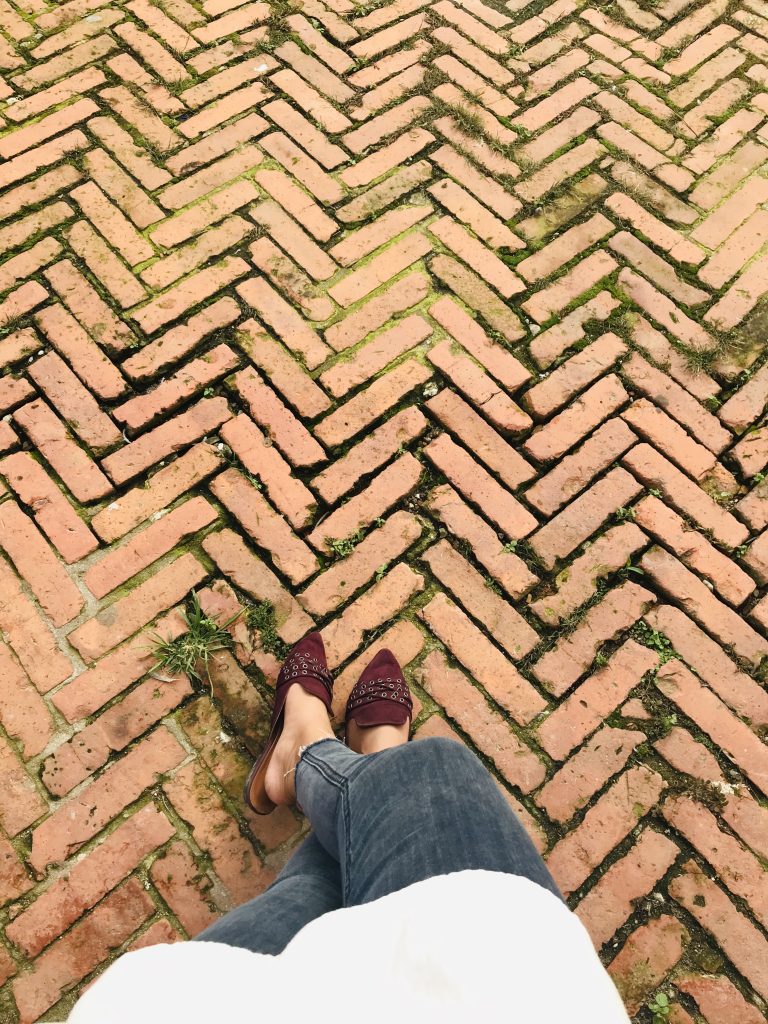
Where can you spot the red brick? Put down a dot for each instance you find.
(216, 833)
(72, 762)
(289, 433)
(574, 374)
(206, 730)
(268, 529)
(554, 298)
(684, 495)
(583, 711)
(605, 824)
(677, 402)
(260, 458)
(739, 938)
(361, 242)
(496, 273)
(31, 639)
(722, 622)
(80, 474)
(360, 412)
(506, 568)
(497, 360)
(663, 432)
(159, 933)
(479, 388)
(719, 999)
(583, 415)
(179, 299)
(552, 342)
(89, 309)
(477, 295)
(41, 570)
(149, 545)
(169, 348)
(648, 955)
(711, 663)
(79, 952)
(563, 534)
(14, 880)
(182, 885)
(382, 546)
(612, 900)
(161, 490)
(89, 880)
(284, 372)
(92, 689)
(77, 820)
(7, 965)
(23, 713)
(20, 802)
(480, 488)
(460, 418)
(735, 867)
(576, 584)
(51, 510)
(519, 765)
(507, 627)
(381, 602)
(388, 488)
(694, 550)
(711, 715)
(484, 661)
(369, 454)
(128, 614)
(573, 786)
(250, 574)
(376, 311)
(197, 374)
(375, 355)
(169, 437)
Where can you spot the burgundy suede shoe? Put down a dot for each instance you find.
(306, 665)
(381, 695)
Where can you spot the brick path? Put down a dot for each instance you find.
(437, 325)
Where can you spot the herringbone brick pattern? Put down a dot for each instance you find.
(433, 324)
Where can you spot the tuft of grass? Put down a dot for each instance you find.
(261, 619)
(191, 652)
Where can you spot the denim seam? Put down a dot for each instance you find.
(347, 874)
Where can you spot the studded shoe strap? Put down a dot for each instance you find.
(298, 664)
(386, 688)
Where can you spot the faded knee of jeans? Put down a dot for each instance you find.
(446, 752)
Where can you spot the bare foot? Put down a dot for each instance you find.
(306, 721)
(374, 738)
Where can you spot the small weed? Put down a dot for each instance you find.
(622, 513)
(345, 545)
(657, 641)
(190, 653)
(381, 570)
(659, 1007)
(510, 546)
(260, 618)
(628, 570)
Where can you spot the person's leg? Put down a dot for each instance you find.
(410, 812)
(308, 887)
